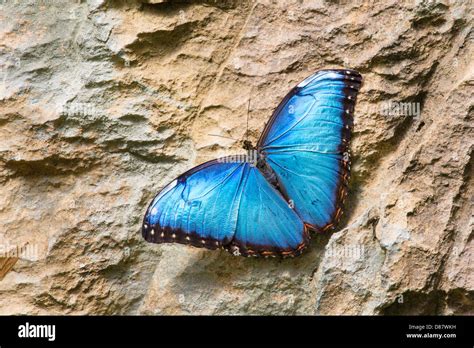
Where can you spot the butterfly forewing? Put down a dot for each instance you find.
(306, 143)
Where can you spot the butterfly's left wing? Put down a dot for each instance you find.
(199, 208)
(224, 204)
(306, 144)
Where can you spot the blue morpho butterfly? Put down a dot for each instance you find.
(297, 185)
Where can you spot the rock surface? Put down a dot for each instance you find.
(104, 102)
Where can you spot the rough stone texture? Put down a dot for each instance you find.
(104, 102)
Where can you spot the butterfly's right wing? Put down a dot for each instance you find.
(228, 205)
(306, 144)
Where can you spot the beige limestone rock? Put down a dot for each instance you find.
(104, 102)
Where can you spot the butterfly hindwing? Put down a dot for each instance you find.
(266, 226)
(306, 144)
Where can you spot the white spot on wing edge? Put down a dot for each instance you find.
(235, 250)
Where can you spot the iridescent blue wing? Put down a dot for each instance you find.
(199, 208)
(306, 144)
(266, 224)
(225, 205)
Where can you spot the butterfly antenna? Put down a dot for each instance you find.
(222, 136)
(248, 113)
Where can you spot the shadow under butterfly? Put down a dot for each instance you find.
(268, 207)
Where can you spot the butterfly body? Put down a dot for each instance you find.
(296, 180)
